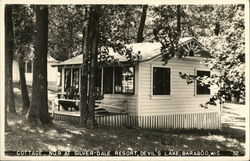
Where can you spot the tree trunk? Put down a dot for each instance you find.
(24, 91)
(142, 24)
(39, 102)
(9, 59)
(93, 63)
(5, 114)
(84, 75)
(179, 19)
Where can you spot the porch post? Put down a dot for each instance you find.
(113, 91)
(63, 79)
(71, 76)
(80, 79)
(102, 81)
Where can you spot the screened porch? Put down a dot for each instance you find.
(110, 82)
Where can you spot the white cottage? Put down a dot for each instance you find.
(152, 93)
(53, 73)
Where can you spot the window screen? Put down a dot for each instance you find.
(76, 78)
(67, 81)
(124, 80)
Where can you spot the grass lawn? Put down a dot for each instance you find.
(64, 136)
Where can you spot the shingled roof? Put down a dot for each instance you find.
(147, 51)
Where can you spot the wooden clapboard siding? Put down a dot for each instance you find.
(182, 99)
(128, 101)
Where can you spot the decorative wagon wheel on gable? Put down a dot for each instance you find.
(191, 48)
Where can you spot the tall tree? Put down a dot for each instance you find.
(39, 103)
(23, 22)
(179, 18)
(9, 59)
(84, 75)
(94, 33)
(102, 33)
(5, 113)
(23, 85)
(90, 49)
(142, 24)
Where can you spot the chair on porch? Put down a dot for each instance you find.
(71, 94)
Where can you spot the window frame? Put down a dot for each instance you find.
(114, 82)
(152, 96)
(195, 83)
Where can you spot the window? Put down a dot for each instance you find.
(67, 81)
(119, 80)
(28, 68)
(161, 81)
(124, 80)
(202, 88)
(75, 82)
(108, 80)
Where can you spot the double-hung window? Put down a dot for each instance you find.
(161, 81)
(202, 89)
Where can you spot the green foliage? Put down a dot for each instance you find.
(227, 50)
(24, 29)
(65, 23)
(219, 27)
(118, 27)
(166, 31)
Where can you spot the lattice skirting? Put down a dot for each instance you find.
(173, 121)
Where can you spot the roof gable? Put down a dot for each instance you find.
(192, 47)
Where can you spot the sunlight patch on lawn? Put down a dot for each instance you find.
(190, 138)
(19, 121)
(75, 132)
(113, 136)
(65, 135)
(229, 142)
(52, 133)
(57, 147)
(40, 130)
(214, 137)
(29, 129)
